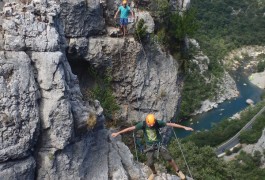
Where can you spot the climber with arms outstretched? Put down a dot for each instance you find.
(153, 139)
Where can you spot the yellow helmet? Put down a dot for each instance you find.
(124, 2)
(150, 119)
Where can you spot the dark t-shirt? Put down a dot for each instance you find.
(151, 134)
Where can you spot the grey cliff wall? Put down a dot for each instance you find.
(144, 80)
(227, 88)
(43, 118)
(41, 104)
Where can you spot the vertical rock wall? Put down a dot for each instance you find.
(144, 80)
(41, 105)
(42, 114)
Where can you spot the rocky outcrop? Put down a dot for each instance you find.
(226, 85)
(226, 90)
(19, 108)
(237, 56)
(44, 133)
(82, 18)
(258, 79)
(18, 169)
(96, 156)
(148, 20)
(145, 80)
(40, 97)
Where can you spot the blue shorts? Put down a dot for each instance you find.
(123, 21)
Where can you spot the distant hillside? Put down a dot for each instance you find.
(226, 25)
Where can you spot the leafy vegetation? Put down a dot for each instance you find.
(252, 135)
(223, 26)
(204, 164)
(246, 166)
(140, 31)
(226, 25)
(201, 158)
(261, 66)
(173, 26)
(202, 161)
(236, 149)
(194, 91)
(263, 95)
(102, 91)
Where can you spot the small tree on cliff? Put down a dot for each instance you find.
(140, 31)
(182, 24)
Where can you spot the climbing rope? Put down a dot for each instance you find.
(182, 153)
(128, 106)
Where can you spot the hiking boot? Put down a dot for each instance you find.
(152, 177)
(181, 175)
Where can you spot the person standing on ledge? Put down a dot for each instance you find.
(153, 139)
(124, 13)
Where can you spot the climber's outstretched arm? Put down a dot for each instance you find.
(179, 126)
(123, 131)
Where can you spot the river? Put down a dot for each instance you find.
(226, 109)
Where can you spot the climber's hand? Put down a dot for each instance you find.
(188, 129)
(114, 134)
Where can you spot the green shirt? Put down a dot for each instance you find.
(151, 134)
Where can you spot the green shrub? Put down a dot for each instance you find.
(252, 135)
(263, 96)
(246, 166)
(162, 37)
(228, 152)
(236, 149)
(202, 161)
(140, 31)
(257, 158)
(261, 66)
(106, 98)
(102, 91)
(195, 91)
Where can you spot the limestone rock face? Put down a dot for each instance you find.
(226, 85)
(42, 112)
(82, 18)
(29, 28)
(18, 106)
(40, 96)
(149, 22)
(96, 156)
(19, 169)
(144, 80)
(226, 90)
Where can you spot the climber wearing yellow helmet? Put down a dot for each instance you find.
(153, 139)
(124, 13)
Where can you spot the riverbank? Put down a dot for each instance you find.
(227, 90)
(249, 56)
(226, 109)
(258, 79)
